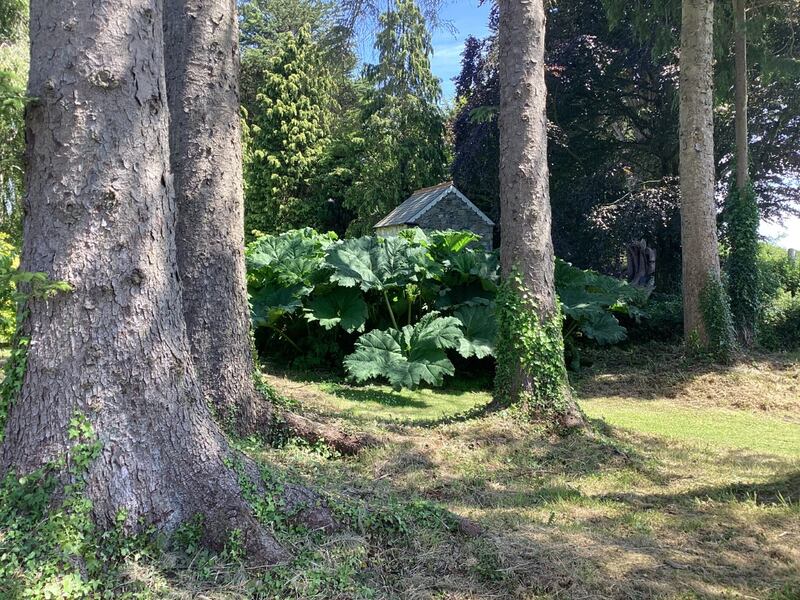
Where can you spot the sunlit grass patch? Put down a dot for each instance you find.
(717, 429)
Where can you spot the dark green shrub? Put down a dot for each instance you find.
(664, 322)
(402, 308)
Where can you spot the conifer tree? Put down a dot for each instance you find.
(403, 142)
(289, 132)
(530, 356)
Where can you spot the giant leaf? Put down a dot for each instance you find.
(603, 328)
(445, 243)
(340, 306)
(268, 304)
(479, 329)
(590, 300)
(290, 258)
(373, 263)
(408, 357)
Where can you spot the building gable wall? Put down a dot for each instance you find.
(452, 213)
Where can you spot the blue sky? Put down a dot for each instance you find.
(465, 17)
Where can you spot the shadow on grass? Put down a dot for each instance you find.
(782, 490)
(370, 395)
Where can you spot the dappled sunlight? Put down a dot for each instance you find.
(708, 503)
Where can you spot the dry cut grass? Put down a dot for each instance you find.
(626, 511)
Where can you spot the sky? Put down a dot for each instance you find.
(465, 18)
(786, 235)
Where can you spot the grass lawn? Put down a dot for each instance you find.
(714, 428)
(687, 486)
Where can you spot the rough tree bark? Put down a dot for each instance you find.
(698, 208)
(100, 214)
(202, 68)
(527, 245)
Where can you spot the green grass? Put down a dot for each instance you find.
(689, 488)
(714, 427)
(711, 426)
(381, 403)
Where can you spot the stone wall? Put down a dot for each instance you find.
(452, 213)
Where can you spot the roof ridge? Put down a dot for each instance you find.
(433, 187)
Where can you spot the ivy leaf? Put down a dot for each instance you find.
(341, 306)
(479, 328)
(408, 357)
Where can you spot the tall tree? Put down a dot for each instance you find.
(531, 369)
(701, 270)
(402, 140)
(741, 209)
(202, 72)
(291, 126)
(740, 52)
(114, 352)
(206, 140)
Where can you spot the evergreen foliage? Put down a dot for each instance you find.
(612, 133)
(289, 134)
(402, 135)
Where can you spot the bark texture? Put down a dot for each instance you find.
(202, 51)
(698, 208)
(100, 214)
(527, 244)
(202, 68)
(740, 49)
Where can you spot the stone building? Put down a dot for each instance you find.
(439, 207)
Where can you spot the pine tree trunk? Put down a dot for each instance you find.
(698, 207)
(527, 246)
(740, 43)
(100, 215)
(202, 66)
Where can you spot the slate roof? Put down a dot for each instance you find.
(421, 202)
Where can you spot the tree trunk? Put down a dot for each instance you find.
(698, 208)
(202, 69)
(527, 246)
(100, 215)
(740, 43)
